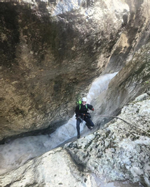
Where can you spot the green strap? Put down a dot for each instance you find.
(80, 106)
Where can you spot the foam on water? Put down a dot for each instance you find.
(99, 85)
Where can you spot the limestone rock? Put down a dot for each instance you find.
(54, 168)
(130, 82)
(89, 161)
(43, 57)
(125, 157)
(48, 61)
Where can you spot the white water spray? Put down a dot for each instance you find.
(68, 130)
(17, 152)
(99, 85)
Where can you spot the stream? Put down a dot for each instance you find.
(16, 152)
(19, 151)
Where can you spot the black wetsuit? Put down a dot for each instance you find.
(82, 114)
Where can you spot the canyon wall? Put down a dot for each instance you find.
(49, 59)
(51, 51)
(118, 152)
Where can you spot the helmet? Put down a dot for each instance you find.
(84, 99)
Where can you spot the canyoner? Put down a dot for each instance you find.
(83, 115)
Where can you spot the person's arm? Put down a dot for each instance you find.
(90, 107)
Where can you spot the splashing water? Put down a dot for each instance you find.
(17, 152)
(99, 85)
(68, 130)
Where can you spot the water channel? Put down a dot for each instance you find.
(17, 152)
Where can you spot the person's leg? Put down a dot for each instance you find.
(89, 123)
(78, 127)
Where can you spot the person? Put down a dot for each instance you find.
(82, 114)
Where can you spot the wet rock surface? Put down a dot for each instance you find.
(52, 169)
(118, 152)
(47, 61)
(121, 150)
(131, 81)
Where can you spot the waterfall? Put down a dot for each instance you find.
(99, 85)
(18, 151)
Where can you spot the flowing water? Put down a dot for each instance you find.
(17, 152)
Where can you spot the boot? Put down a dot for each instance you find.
(78, 136)
(91, 127)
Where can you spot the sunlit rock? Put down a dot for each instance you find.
(17, 152)
(52, 169)
(47, 61)
(116, 152)
(50, 54)
(120, 151)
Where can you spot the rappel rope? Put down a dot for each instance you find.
(125, 122)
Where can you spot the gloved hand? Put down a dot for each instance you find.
(82, 115)
(93, 109)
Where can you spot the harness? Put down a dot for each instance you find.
(80, 106)
(79, 103)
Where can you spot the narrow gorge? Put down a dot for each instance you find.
(55, 52)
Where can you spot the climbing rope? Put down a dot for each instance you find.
(125, 122)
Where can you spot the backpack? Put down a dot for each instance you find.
(79, 103)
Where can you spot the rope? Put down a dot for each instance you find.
(125, 122)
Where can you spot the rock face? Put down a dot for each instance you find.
(56, 167)
(48, 62)
(119, 151)
(43, 68)
(50, 54)
(131, 81)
